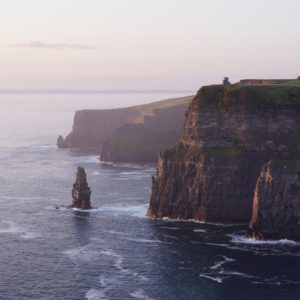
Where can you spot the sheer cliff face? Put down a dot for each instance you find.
(142, 142)
(133, 134)
(92, 127)
(229, 133)
(276, 202)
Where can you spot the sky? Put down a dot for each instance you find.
(146, 44)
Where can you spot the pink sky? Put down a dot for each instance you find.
(134, 44)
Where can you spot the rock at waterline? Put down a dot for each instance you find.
(81, 193)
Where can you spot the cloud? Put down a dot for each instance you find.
(42, 45)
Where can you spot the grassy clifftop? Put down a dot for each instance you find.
(250, 95)
(150, 108)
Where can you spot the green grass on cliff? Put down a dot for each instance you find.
(249, 96)
(149, 109)
(292, 82)
(286, 165)
(224, 152)
(178, 152)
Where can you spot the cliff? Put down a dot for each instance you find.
(129, 134)
(142, 142)
(230, 132)
(276, 202)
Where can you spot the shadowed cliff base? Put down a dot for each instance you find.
(133, 134)
(230, 132)
(276, 202)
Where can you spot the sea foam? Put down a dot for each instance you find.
(240, 239)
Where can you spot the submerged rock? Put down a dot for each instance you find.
(81, 193)
(276, 202)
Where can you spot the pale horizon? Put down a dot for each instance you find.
(145, 45)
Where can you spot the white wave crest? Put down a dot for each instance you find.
(118, 264)
(199, 230)
(83, 253)
(10, 227)
(30, 235)
(219, 264)
(133, 210)
(13, 228)
(239, 274)
(140, 294)
(240, 239)
(215, 279)
(94, 294)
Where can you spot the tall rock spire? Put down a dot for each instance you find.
(81, 192)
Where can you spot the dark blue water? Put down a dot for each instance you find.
(113, 251)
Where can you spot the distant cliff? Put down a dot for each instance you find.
(230, 132)
(135, 133)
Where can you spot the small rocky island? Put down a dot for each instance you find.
(81, 193)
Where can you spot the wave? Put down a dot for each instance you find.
(239, 274)
(215, 279)
(7, 227)
(42, 146)
(118, 264)
(83, 253)
(240, 239)
(200, 230)
(133, 178)
(198, 222)
(170, 228)
(139, 240)
(258, 249)
(140, 294)
(133, 210)
(10, 227)
(129, 165)
(86, 159)
(96, 173)
(94, 294)
(219, 264)
(30, 235)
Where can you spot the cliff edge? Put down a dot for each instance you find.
(230, 132)
(132, 134)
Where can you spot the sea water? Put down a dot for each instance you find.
(113, 251)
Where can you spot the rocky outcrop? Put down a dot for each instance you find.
(276, 202)
(81, 192)
(129, 134)
(230, 132)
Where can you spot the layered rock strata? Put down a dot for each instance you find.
(230, 132)
(276, 202)
(134, 134)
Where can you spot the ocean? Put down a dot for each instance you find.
(113, 251)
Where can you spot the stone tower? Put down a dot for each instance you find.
(226, 81)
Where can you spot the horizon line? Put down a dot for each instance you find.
(88, 91)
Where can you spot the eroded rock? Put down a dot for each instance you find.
(81, 193)
(276, 202)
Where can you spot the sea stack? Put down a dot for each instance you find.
(81, 192)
